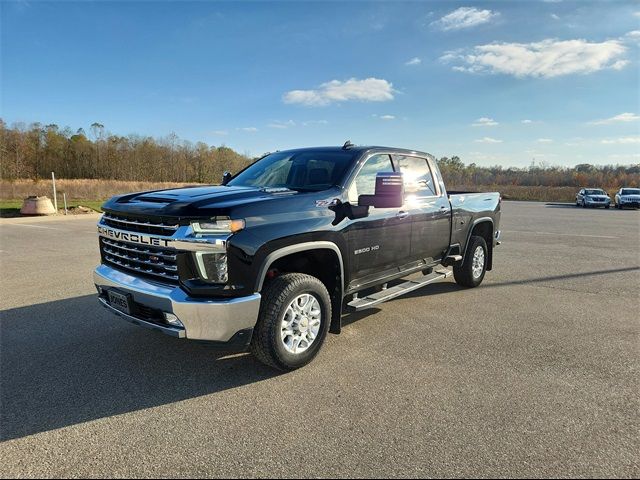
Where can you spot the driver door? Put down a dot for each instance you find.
(379, 243)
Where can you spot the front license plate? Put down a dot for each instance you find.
(120, 301)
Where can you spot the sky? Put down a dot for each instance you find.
(496, 83)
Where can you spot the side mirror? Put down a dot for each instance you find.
(226, 176)
(389, 192)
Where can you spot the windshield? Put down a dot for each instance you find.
(302, 171)
(594, 191)
(631, 191)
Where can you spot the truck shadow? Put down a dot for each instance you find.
(68, 361)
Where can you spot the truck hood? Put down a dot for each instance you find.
(190, 202)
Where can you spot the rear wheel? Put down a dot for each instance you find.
(471, 272)
(295, 314)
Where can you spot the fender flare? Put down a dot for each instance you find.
(300, 247)
(475, 223)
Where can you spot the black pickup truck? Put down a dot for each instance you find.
(273, 258)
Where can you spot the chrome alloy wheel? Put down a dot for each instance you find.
(477, 265)
(301, 323)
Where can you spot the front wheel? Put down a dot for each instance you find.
(584, 205)
(295, 314)
(474, 266)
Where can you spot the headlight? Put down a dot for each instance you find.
(213, 266)
(225, 225)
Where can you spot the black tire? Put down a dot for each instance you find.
(607, 206)
(267, 344)
(584, 205)
(464, 273)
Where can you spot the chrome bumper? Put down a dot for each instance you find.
(203, 319)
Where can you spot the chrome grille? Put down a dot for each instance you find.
(155, 262)
(137, 225)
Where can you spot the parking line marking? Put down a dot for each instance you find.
(559, 234)
(34, 226)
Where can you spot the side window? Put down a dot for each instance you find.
(365, 181)
(417, 176)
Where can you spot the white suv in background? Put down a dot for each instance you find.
(592, 197)
(628, 197)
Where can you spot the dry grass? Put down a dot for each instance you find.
(86, 189)
(83, 189)
(518, 192)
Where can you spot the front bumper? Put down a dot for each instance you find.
(597, 203)
(202, 319)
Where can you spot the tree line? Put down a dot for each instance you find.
(35, 150)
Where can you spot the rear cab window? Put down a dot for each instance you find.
(418, 178)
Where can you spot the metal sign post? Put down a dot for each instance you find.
(55, 198)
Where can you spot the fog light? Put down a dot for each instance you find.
(171, 319)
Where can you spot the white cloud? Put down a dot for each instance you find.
(220, 133)
(484, 122)
(548, 58)
(488, 140)
(555, 17)
(282, 125)
(464, 17)
(637, 14)
(621, 140)
(387, 117)
(314, 122)
(249, 129)
(367, 90)
(544, 140)
(623, 117)
(414, 61)
(527, 121)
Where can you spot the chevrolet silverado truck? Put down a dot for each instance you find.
(274, 257)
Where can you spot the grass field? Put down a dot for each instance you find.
(77, 189)
(11, 208)
(92, 193)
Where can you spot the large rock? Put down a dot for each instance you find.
(37, 206)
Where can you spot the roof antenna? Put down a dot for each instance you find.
(347, 145)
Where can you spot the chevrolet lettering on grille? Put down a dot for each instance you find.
(132, 237)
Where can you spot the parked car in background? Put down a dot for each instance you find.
(627, 197)
(593, 197)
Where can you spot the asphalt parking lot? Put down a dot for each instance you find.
(533, 374)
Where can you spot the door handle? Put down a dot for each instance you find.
(402, 214)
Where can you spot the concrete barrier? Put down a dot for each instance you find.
(37, 206)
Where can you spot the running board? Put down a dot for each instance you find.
(358, 304)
